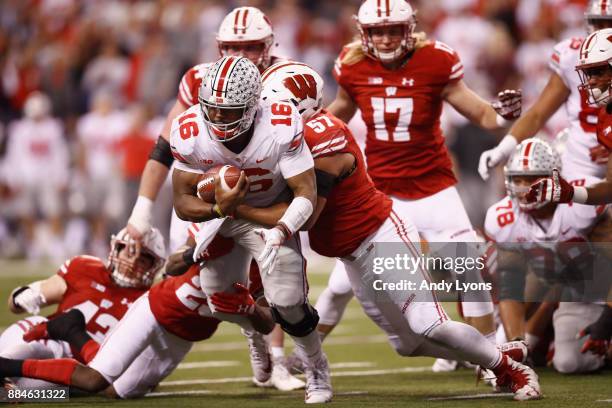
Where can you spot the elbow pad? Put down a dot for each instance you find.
(162, 153)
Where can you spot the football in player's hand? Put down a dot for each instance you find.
(228, 175)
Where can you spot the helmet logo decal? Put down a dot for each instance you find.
(302, 86)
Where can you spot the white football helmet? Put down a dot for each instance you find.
(245, 26)
(597, 11)
(595, 60)
(296, 83)
(380, 13)
(532, 157)
(231, 83)
(128, 271)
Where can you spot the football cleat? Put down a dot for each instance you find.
(261, 362)
(516, 350)
(318, 382)
(519, 378)
(281, 378)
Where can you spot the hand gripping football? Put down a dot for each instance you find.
(228, 174)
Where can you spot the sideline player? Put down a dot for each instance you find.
(399, 80)
(102, 291)
(554, 243)
(231, 126)
(350, 221)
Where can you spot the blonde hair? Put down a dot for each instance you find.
(355, 51)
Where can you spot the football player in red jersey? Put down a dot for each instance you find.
(399, 81)
(352, 218)
(101, 291)
(149, 342)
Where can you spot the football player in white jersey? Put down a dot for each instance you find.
(552, 242)
(266, 141)
(247, 32)
(583, 156)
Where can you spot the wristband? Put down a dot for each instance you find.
(296, 214)
(581, 194)
(141, 214)
(507, 144)
(188, 256)
(501, 122)
(217, 211)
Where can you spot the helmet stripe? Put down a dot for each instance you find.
(222, 74)
(378, 8)
(276, 67)
(388, 12)
(526, 153)
(244, 20)
(236, 17)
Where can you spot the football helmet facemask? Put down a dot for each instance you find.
(376, 14)
(139, 270)
(595, 66)
(532, 159)
(228, 97)
(244, 27)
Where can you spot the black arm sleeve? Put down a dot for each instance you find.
(161, 152)
(325, 183)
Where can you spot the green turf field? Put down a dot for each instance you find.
(365, 370)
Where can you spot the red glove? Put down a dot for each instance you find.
(599, 154)
(36, 332)
(549, 190)
(599, 333)
(508, 104)
(241, 302)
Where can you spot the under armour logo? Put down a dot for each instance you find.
(375, 80)
(409, 82)
(607, 130)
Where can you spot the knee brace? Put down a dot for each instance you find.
(302, 328)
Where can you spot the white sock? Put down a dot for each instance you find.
(309, 346)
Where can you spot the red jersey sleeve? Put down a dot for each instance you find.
(190, 84)
(448, 61)
(341, 72)
(78, 268)
(325, 135)
(604, 128)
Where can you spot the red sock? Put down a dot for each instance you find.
(89, 350)
(56, 370)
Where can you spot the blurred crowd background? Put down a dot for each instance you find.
(85, 86)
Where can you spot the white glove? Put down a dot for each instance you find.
(493, 157)
(29, 299)
(273, 239)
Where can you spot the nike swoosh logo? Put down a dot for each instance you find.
(566, 231)
(259, 161)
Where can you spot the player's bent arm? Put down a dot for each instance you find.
(153, 176)
(600, 193)
(470, 105)
(188, 207)
(343, 107)
(327, 170)
(37, 294)
(554, 94)
(180, 261)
